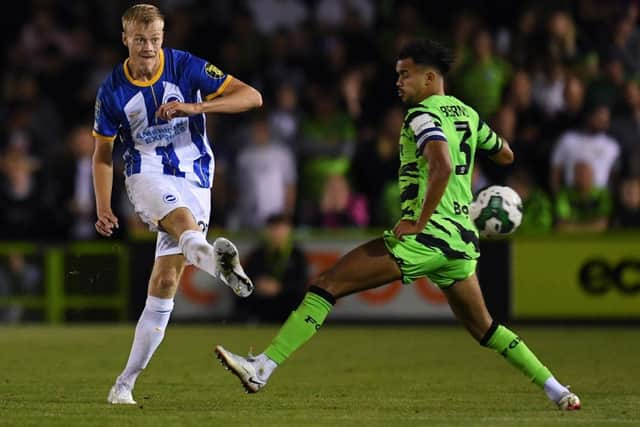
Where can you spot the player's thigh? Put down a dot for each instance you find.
(169, 200)
(368, 266)
(178, 221)
(467, 303)
(165, 275)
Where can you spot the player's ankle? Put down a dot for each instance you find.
(554, 390)
(265, 366)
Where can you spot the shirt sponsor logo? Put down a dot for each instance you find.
(165, 132)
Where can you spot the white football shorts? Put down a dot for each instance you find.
(155, 196)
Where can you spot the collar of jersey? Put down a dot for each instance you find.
(155, 77)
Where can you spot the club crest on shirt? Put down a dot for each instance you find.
(213, 71)
(171, 93)
(169, 198)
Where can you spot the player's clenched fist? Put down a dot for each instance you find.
(176, 109)
(106, 222)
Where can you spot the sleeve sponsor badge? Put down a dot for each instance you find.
(213, 71)
(96, 113)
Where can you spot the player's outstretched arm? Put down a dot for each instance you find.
(236, 98)
(504, 156)
(102, 167)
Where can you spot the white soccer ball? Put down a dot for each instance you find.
(496, 211)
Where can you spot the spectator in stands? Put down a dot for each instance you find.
(465, 24)
(625, 43)
(483, 69)
(548, 84)
(23, 214)
(327, 144)
(524, 38)
(625, 128)
(569, 116)
(340, 206)
(41, 35)
(376, 163)
(336, 14)
(73, 186)
(529, 118)
(49, 77)
(285, 67)
(627, 212)
(560, 38)
(266, 173)
(537, 209)
(280, 273)
(583, 206)
(32, 113)
(284, 118)
(526, 137)
(590, 144)
(18, 276)
(271, 16)
(607, 88)
(504, 122)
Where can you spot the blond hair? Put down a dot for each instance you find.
(141, 13)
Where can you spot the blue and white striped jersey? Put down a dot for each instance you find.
(127, 107)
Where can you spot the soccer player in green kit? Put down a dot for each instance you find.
(434, 237)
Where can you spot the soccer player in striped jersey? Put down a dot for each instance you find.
(434, 237)
(156, 103)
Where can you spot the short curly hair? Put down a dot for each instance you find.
(428, 52)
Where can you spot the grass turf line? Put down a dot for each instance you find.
(375, 376)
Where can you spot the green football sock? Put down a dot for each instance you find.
(516, 352)
(301, 325)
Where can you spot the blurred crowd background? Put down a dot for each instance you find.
(559, 80)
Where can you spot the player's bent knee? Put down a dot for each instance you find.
(163, 287)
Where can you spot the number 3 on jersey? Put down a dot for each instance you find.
(465, 148)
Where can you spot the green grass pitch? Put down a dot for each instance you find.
(365, 376)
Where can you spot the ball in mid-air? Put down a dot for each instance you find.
(496, 211)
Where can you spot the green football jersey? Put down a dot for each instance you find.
(442, 117)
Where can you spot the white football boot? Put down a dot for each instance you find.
(120, 395)
(228, 268)
(243, 368)
(569, 402)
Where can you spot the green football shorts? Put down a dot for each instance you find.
(417, 260)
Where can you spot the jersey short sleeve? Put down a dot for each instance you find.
(207, 77)
(105, 123)
(488, 140)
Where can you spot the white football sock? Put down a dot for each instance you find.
(148, 336)
(265, 365)
(198, 251)
(554, 389)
